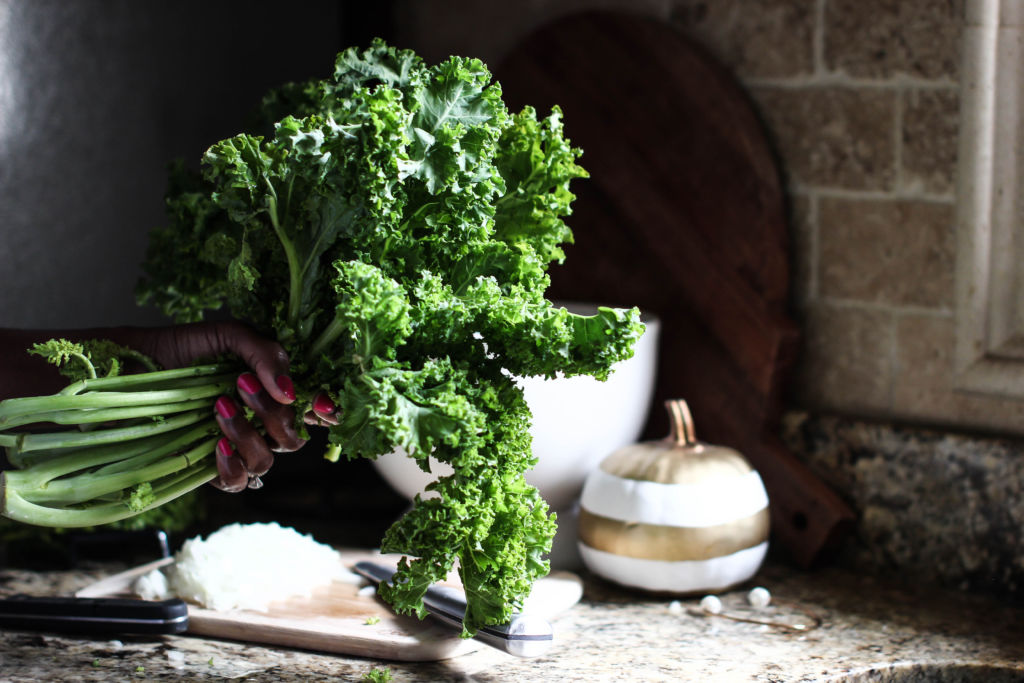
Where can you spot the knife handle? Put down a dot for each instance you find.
(93, 615)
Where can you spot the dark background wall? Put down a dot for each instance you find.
(96, 97)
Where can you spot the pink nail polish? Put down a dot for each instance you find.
(226, 407)
(284, 383)
(248, 383)
(323, 405)
(224, 446)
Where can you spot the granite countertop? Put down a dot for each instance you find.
(870, 629)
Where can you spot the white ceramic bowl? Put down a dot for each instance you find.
(577, 421)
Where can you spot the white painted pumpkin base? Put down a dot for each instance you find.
(689, 576)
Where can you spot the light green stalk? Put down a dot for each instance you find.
(83, 487)
(29, 442)
(157, 443)
(103, 453)
(171, 443)
(15, 412)
(326, 338)
(294, 271)
(126, 381)
(17, 508)
(107, 460)
(84, 417)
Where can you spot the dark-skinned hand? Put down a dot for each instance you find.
(244, 454)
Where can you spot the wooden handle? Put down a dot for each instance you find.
(807, 516)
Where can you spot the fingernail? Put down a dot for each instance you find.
(224, 446)
(284, 383)
(226, 407)
(248, 383)
(323, 404)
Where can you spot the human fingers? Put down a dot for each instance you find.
(278, 419)
(265, 357)
(324, 412)
(249, 443)
(232, 476)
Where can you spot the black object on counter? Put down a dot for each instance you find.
(93, 615)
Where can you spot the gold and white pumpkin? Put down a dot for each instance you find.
(675, 515)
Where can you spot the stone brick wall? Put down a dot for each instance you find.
(861, 100)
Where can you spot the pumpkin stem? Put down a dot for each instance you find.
(683, 433)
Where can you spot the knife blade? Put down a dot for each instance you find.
(93, 615)
(524, 636)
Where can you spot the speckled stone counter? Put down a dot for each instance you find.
(870, 630)
(945, 508)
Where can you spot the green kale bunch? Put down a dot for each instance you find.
(393, 231)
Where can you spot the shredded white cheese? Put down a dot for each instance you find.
(152, 586)
(248, 567)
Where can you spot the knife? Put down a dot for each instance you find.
(524, 636)
(93, 615)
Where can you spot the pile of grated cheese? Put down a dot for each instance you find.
(246, 566)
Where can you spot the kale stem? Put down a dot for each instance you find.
(30, 442)
(186, 382)
(83, 417)
(17, 508)
(158, 450)
(110, 458)
(15, 412)
(87, 486)
(326, 338)
(105, 452)
(89, 367)
(125, 381)
(294, 272)
(333, 452)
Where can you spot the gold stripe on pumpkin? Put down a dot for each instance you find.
(666, 463)
(672, 543)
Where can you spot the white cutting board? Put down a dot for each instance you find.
(338, 619)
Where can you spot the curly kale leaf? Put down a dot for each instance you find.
(537, 163)
(141, 497)
(187, 259)
(61, 352)
(89, 358)
(488, 522)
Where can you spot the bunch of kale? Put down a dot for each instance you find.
(394, 233)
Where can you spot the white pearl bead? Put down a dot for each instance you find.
(711, 604)
(759, 597)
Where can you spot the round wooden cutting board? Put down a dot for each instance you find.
(683, 215)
